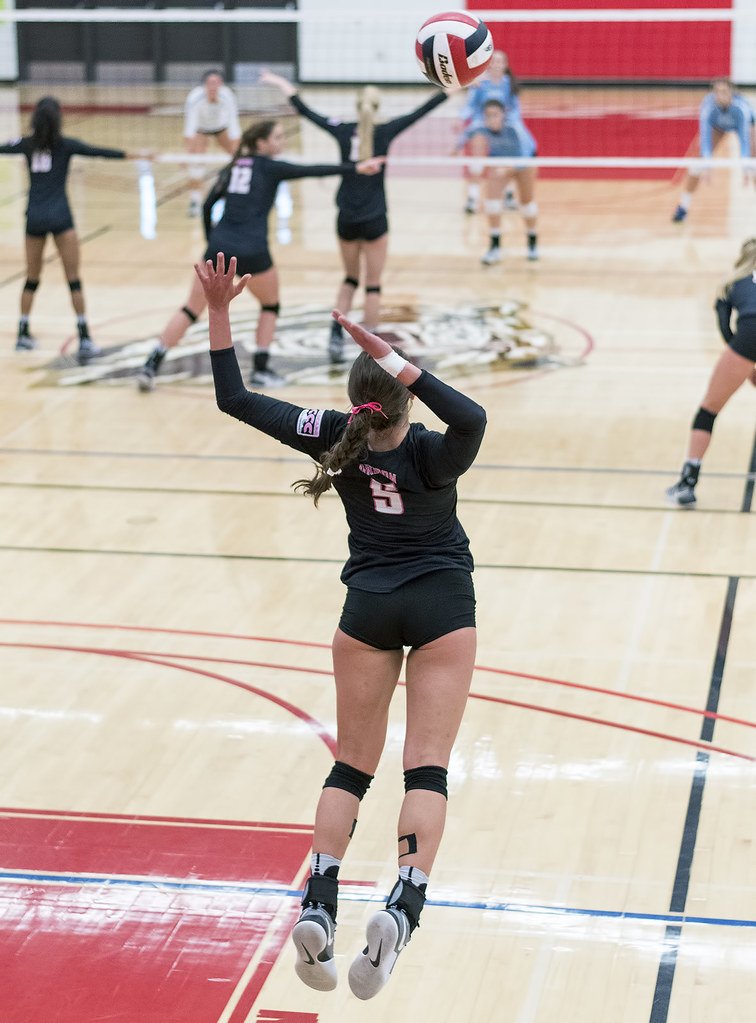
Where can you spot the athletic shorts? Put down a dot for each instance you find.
(212, 131)
(254, 263)
(361, 230)
(744, 342)
(41, 229)
(413, 615)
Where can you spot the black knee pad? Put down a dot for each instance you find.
(704, 420)
(373, 289)
(344, 776)
(192, 317)
(275, 309)
(30, 285)
(74, 286)
(432, 779)
(323, 890)
(407, 896)
(352, 282)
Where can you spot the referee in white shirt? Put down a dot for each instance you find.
(210, 109)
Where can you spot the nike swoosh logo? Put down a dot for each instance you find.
(377, 961)
(310, 960)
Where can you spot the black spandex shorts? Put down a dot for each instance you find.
(361, 230)
(744, 342)
(418, 612)
(256, 263)
(41, 230)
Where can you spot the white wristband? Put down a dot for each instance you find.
(393, 363)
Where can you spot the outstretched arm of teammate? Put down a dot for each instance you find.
(278, 81)
(376, 347)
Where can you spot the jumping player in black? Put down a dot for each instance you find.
(249, 185)
(362, 224)
(736, 365)
(409, 584)
(48, 154)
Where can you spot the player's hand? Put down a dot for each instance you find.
(368, 342)
(218, 283)
(371, 166)
(278, 81)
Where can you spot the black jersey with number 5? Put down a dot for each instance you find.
(48, 208)
(401, 505)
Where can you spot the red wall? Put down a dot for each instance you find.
(625, 51)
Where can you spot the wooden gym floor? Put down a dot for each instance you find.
(166, 705)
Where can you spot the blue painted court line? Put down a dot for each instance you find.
(281, 891)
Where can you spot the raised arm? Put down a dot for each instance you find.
(16, 146)
(399, 124)
(452, 452)
(287, 423)
(291, 93)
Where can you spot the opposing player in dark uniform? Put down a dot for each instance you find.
(409, 583)
(362, 224)
(48, 155)
(735, 366)
(249, 185)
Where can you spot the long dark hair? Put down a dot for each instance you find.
(253, 134)
(45, 122)
(367, 383)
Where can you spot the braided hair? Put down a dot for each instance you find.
(368, 384)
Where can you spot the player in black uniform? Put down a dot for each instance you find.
(249, 185)
(409, 584)
(735, 366)
(48, 154)
(362, 224)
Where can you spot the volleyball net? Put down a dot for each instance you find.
(606, 92)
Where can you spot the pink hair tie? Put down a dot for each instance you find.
(372, 406)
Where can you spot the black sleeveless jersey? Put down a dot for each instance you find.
(360, 197)
(249, 186)
(48, 170)
(401, 505)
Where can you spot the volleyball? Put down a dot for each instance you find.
(453, 48)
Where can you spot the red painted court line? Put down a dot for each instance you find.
(614, 724)
(167, 632)
(319, 729)
(147, 819)
(652, 700)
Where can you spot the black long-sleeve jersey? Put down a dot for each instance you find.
(739, 296)
(401, 505)
(48, 208)
(359, 197)
(249, 185)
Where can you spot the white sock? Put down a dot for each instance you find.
(415, 875)
(320, 862)
(473, 192)
(685, 200)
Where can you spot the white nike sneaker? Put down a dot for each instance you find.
(313, 936)
(387, 933)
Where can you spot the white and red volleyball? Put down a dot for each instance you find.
(453, 48)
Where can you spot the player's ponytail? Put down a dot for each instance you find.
(379, 402)
(46, 122)
(745, 266)
(368, 102)
(260, 131)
